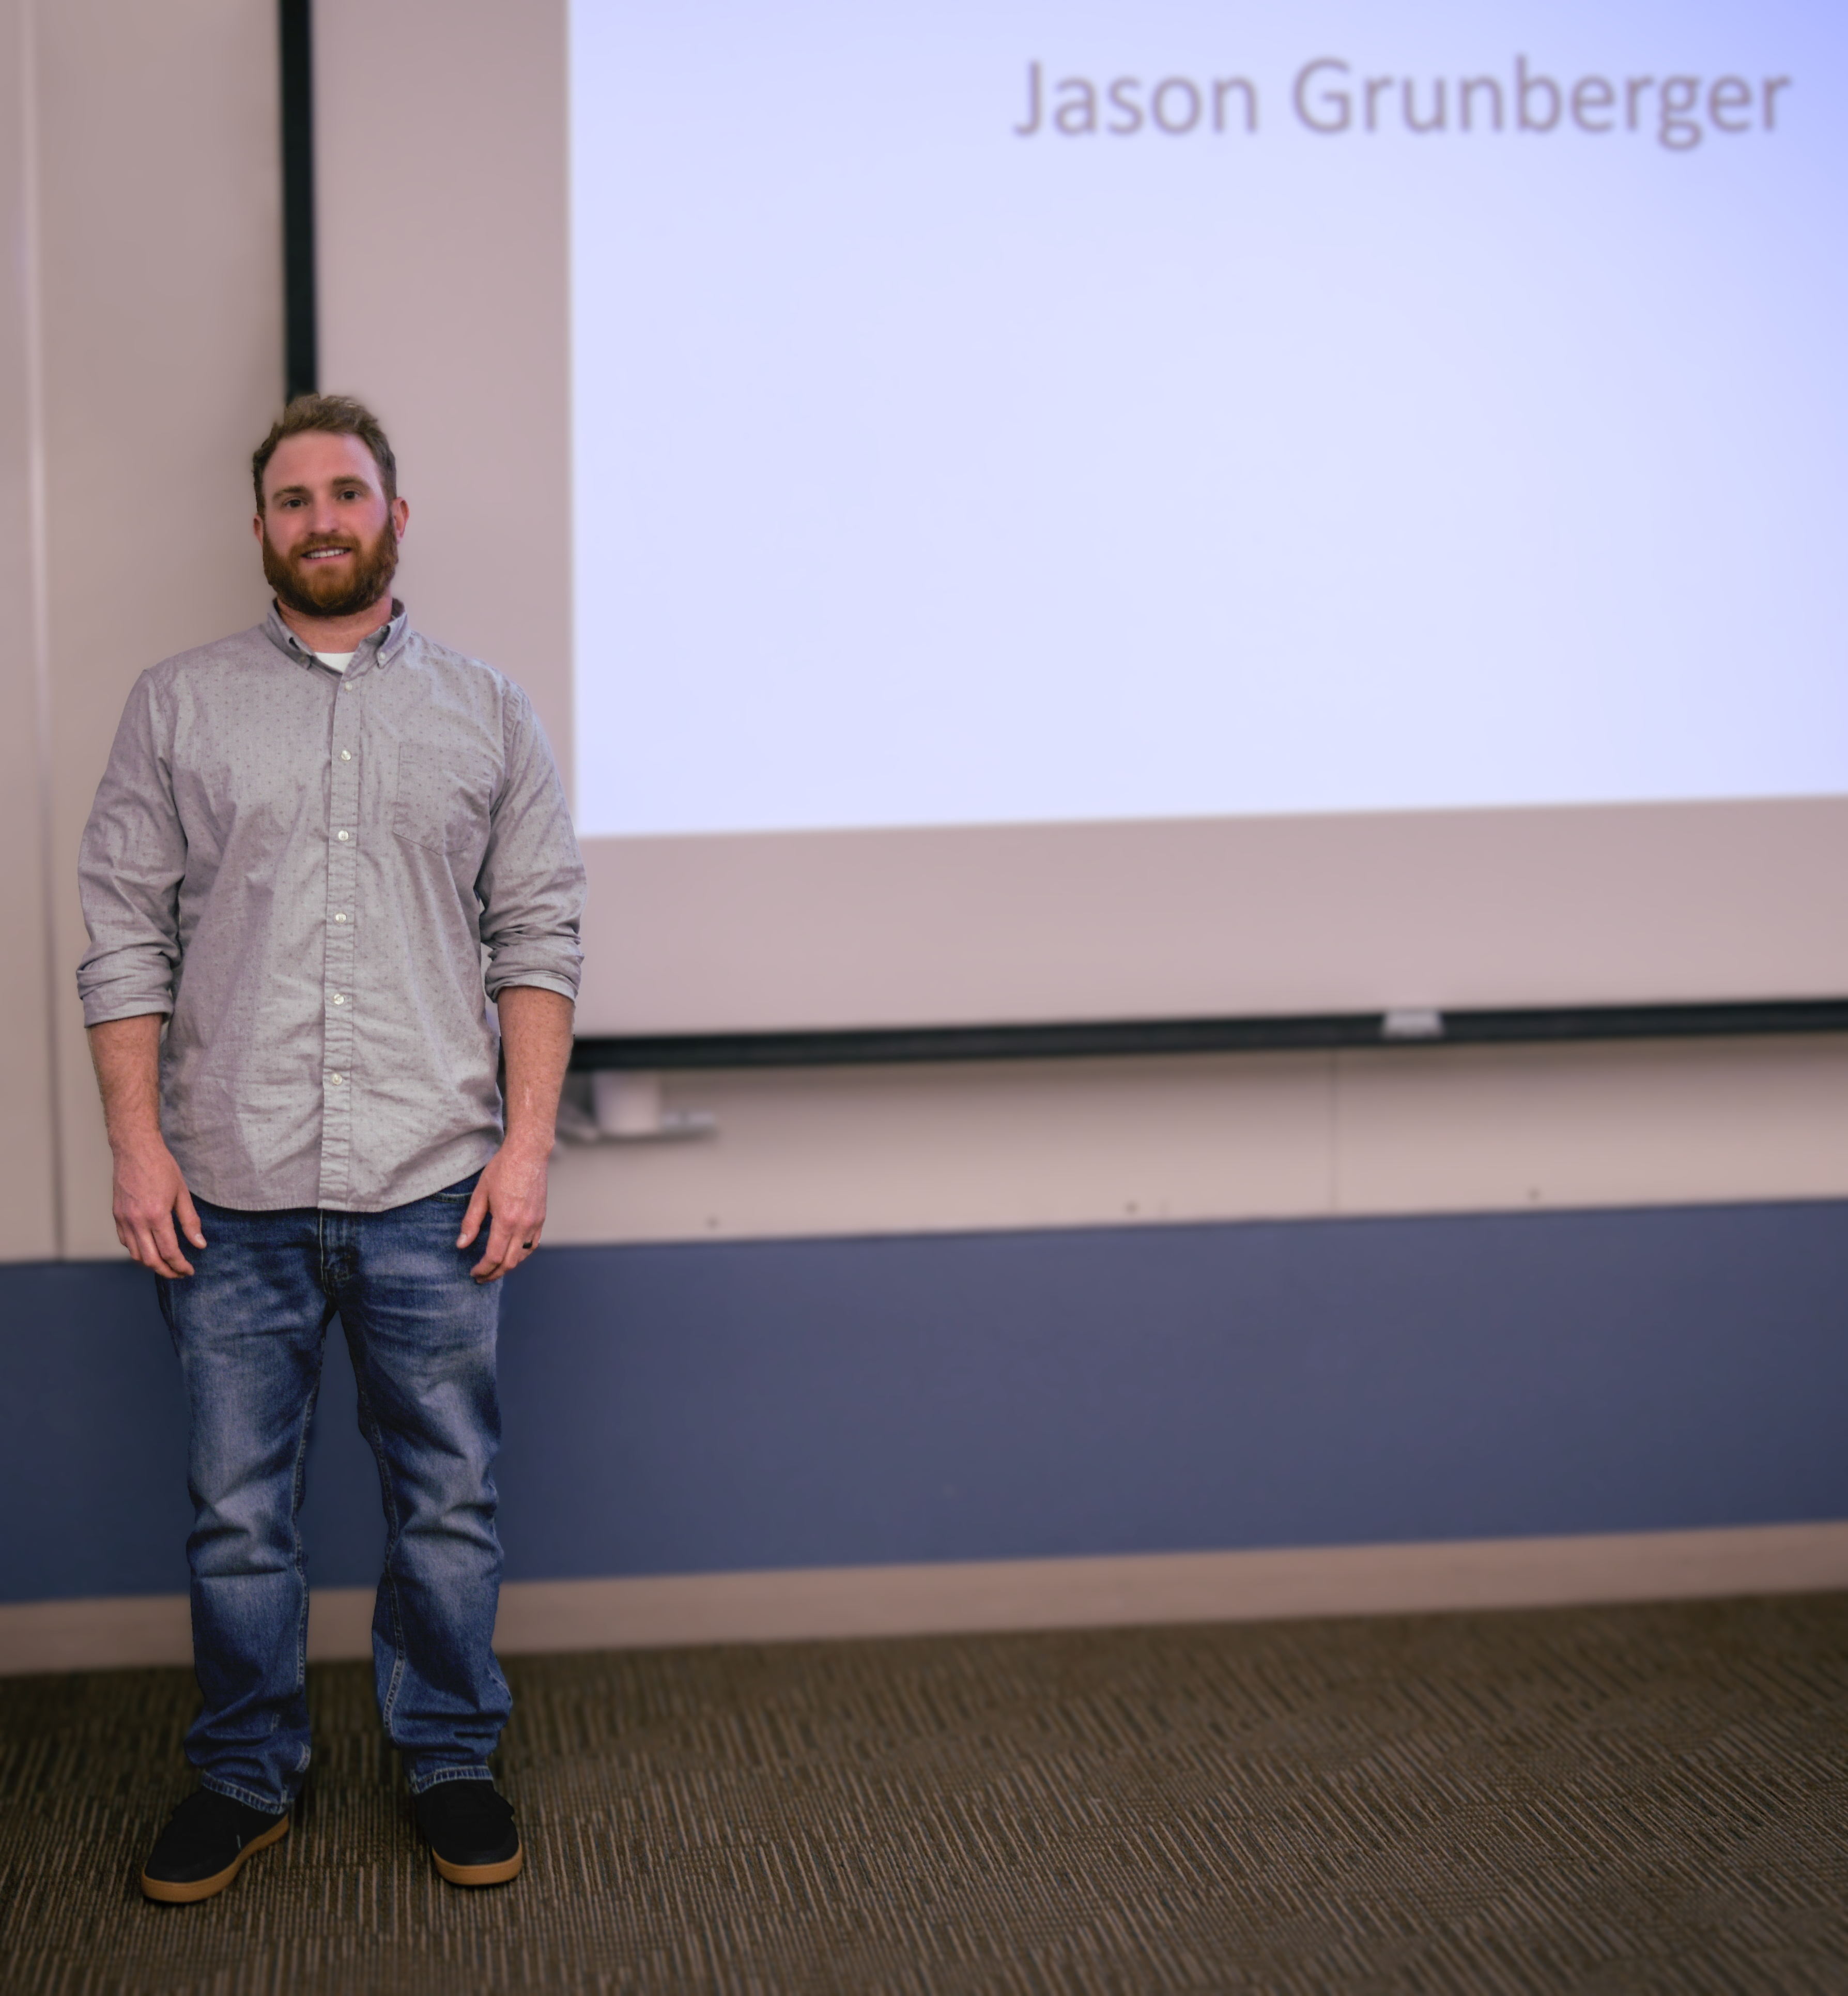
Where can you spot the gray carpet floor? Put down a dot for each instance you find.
(1650, 1798)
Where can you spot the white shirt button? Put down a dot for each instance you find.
(344, 837)
(336, 1079)
(339, 918)
(338, 1000)
(346, 754)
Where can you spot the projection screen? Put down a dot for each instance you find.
(1111, 510)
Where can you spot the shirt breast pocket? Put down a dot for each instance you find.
(444, 796)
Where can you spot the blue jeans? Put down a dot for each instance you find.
(250, 1329)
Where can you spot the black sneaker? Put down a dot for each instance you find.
(471, 1832)
(204, 1847)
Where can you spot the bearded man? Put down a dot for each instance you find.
(310, 839)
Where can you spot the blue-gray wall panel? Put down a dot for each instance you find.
(708, 1407)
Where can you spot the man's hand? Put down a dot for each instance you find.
(148, 1188)
(149, 1191)
(535, 1038)
(511, 1194)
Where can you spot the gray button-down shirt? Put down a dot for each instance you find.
(324, 879)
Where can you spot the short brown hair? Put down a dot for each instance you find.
(338, 415)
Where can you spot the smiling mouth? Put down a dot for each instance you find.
(326, 554)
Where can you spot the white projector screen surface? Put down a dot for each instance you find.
(1023, 413)
(905, 496)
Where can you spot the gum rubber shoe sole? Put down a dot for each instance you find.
(482, 1874)
(171, 1894)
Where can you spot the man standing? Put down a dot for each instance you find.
(310, 839)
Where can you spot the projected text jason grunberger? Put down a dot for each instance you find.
(1329, 96)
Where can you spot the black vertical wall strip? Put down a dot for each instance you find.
(301, 358)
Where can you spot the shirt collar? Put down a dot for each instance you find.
(381, 649)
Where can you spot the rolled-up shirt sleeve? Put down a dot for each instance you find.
(531, 883)
(129, 867)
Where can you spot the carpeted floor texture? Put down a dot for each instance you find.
(1604, 1799)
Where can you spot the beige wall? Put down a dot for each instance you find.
(27, 1206)
(145, 162)
(440, 174)
(158, 305)
(1241, 1136)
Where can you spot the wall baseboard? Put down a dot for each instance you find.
(1139, 1590)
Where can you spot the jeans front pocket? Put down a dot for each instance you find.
(459, 1193)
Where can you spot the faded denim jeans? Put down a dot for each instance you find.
(250, 1328)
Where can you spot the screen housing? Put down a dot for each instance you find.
(460, 338)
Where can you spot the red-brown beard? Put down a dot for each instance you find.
(310, 589)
